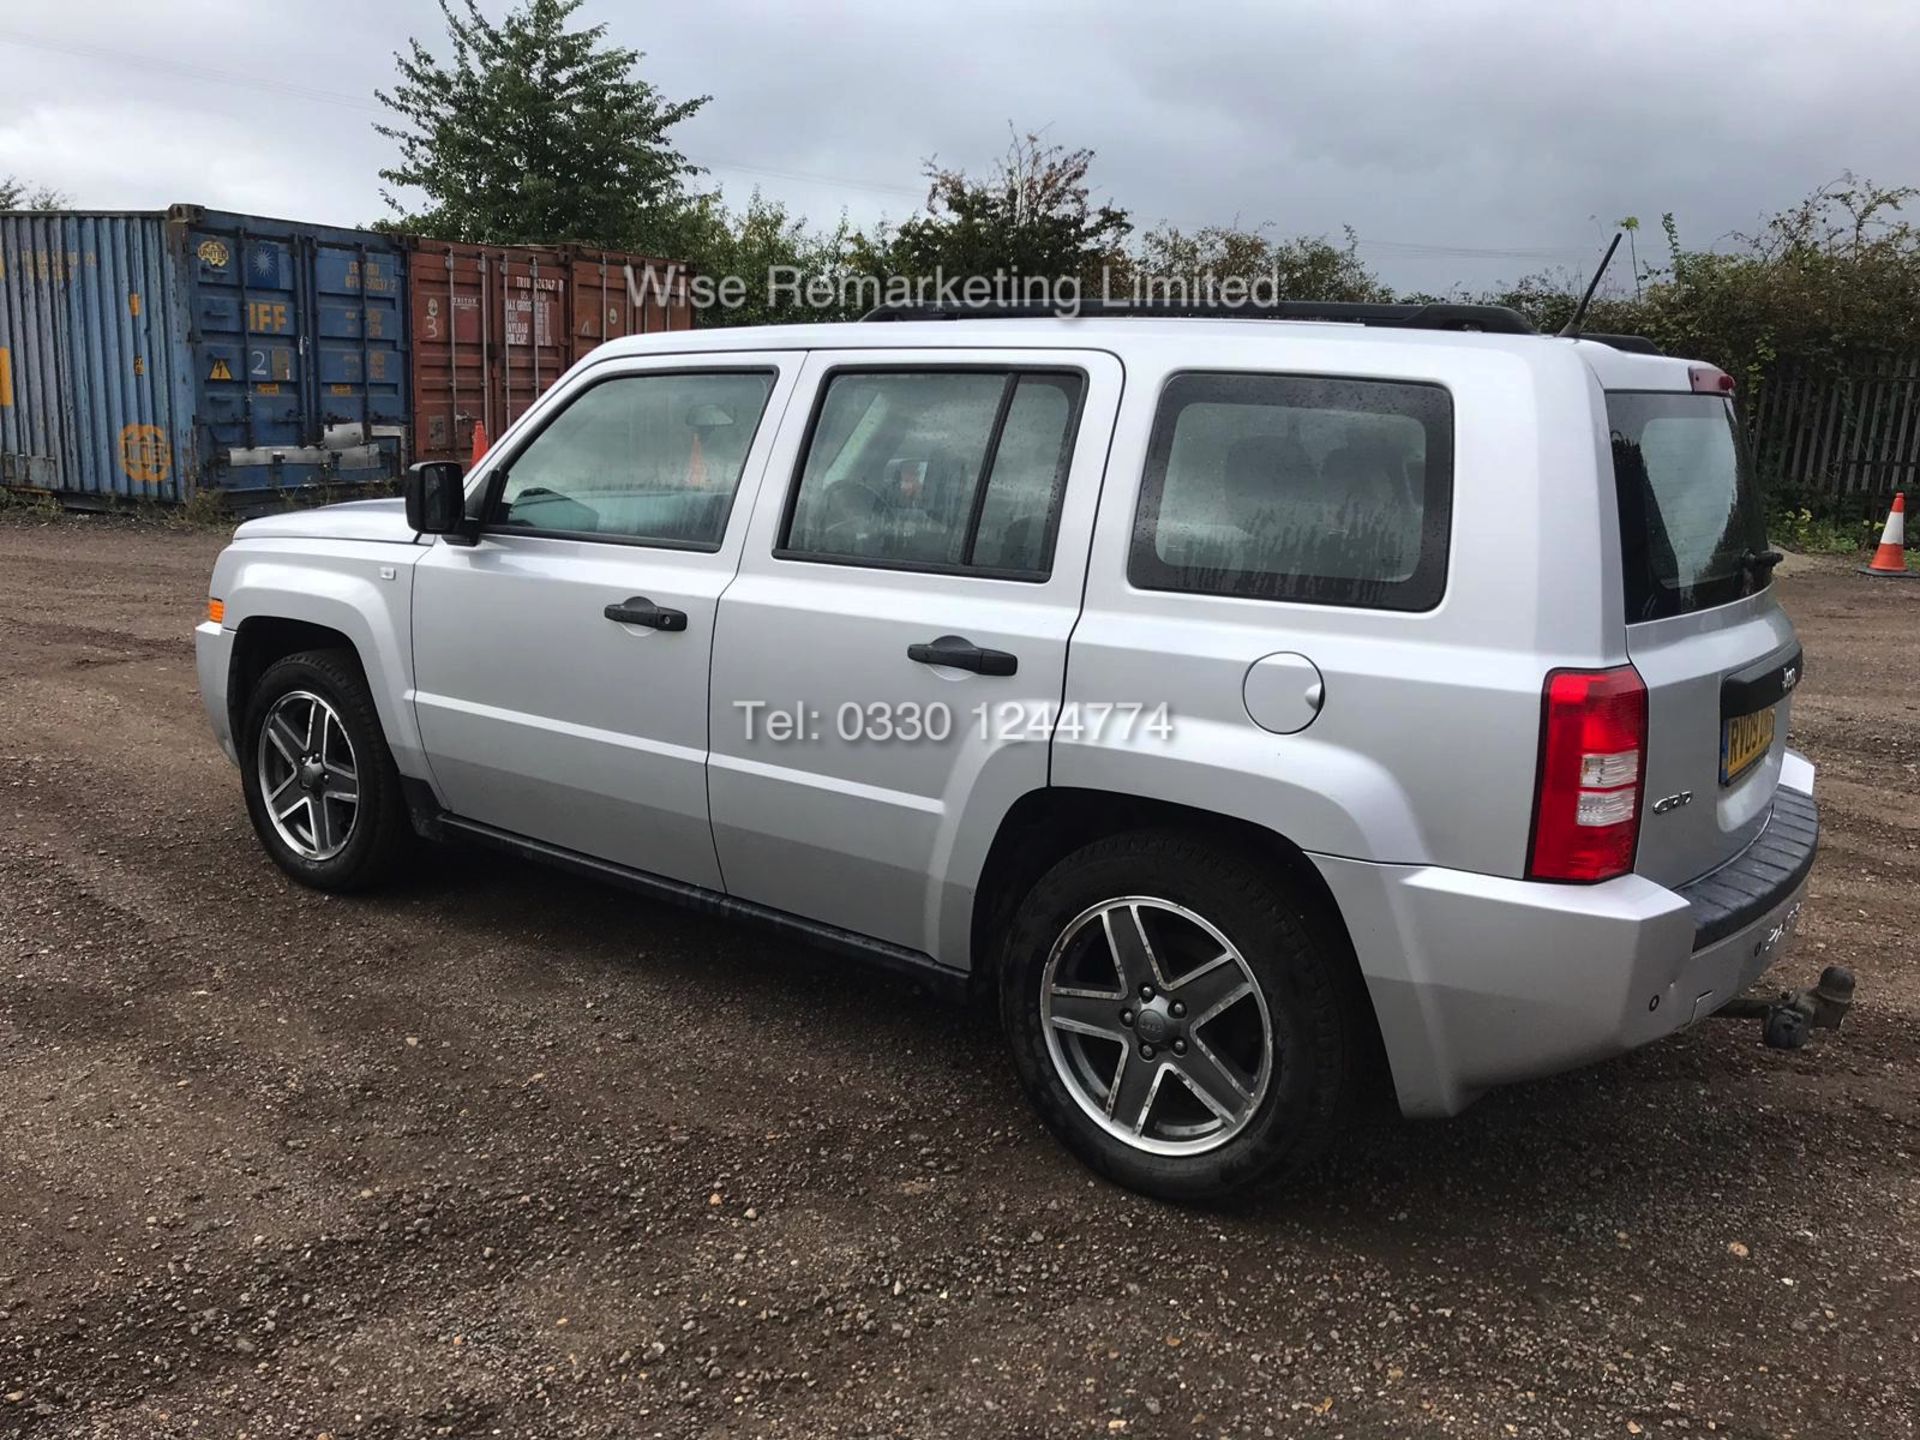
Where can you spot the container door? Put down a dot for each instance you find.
(603, 305)
(359, 370)
(533, 349)
(451, 340)
(300, 352)
(246, 317)
(490, 335)
(616, 295)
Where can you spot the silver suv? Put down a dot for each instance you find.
(1243, 702)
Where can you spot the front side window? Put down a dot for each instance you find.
(936, 470)
(648, 458)
(1285, 487)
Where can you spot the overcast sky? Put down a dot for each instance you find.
(1464, 142)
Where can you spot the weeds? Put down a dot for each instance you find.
(205, 509)
(30, 507)
(1798, 528)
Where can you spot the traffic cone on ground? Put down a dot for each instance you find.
(1891, 558)
(479, 444)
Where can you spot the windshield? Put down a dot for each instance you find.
(1689, 517)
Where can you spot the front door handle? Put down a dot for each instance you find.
(962, 654)
(638, 610)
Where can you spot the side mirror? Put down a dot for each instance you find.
(436, 500)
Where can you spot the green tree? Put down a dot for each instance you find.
(1032, 216)
(17, 194)
(1829, 280)
(535, 133)
(774, 255)
(1305, 267)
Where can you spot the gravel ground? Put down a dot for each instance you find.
(501, 1153)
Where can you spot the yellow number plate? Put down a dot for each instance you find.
(1743, 740)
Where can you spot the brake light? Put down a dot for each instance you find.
(1593, 735)
(1709, 380)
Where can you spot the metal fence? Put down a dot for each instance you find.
(1851, 439)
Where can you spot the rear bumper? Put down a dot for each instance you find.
(1478, 981)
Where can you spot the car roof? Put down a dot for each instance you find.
(1616, 369)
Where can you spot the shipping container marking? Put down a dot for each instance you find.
(145, 455)
(378, 281)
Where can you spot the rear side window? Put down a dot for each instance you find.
(958, 471)
(1689, 517)
(1291, 487)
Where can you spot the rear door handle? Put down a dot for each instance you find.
(638, 610)
(962, 654)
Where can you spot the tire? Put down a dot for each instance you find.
(356, 845)
(1185, 893)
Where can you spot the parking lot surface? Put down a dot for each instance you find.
(499, 1152)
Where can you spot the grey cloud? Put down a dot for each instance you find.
(1518, 128)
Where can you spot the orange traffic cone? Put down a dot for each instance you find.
(479, 444)
(1891, 558)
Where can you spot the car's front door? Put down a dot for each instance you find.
(561, 661)
(888, 659)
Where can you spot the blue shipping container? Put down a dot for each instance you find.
(154, 355)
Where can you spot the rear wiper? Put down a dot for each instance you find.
(1761, 562)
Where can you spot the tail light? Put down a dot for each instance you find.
(1709, 380)
(1593, 735)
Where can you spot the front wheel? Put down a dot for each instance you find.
(320, 782)
(1178, 1015)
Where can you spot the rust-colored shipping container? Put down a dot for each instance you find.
(495, 325)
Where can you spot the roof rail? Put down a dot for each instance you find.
(1494, 319)
(1632, 344)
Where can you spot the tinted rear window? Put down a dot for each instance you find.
(1294, 487)
(1689, 516)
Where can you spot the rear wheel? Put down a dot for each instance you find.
(320, 782)
(1178, 1015)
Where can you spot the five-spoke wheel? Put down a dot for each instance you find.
(308, 775)
(320, 782)
(1181, 1015)
(1156, 1025)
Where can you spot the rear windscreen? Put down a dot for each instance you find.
(1689, 517)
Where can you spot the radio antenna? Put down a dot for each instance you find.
(1572, 328)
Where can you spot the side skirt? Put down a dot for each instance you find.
(945, 982)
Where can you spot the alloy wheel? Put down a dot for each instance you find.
(1156, 1025)
(309, 779)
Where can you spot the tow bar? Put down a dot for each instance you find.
(1788, 1022)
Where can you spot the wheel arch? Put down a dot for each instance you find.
(1044, 826)
(278, 605)
(260, 641)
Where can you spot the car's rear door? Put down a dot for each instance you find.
(1704, 629)
(913, 573)
(561, 661)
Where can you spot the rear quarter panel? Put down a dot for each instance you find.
(1424, 751)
